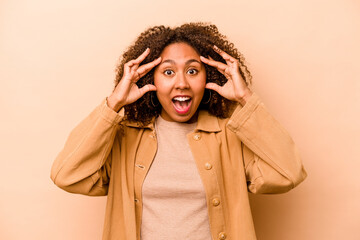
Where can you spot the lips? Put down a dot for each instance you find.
(182, 104)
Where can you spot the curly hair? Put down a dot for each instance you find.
(202, 37)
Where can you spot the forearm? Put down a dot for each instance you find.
(271, 158)
(83, 158)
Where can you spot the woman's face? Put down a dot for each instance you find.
(180, 81)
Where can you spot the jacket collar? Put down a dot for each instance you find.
(206, 123)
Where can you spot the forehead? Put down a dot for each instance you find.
(178, 51)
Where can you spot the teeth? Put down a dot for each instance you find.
(181, 99)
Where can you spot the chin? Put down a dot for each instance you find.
(186, 119)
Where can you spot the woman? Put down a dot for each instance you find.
(179, 142)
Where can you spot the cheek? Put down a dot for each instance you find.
(156, 78)
(159, 84)
(200, 83)
(160, 80)
(161, 89)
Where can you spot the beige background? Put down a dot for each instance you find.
(57, 61)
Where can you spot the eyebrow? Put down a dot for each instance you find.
(186, 63)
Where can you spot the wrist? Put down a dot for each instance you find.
(113, 104)
(245, 97)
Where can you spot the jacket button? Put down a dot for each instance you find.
(216, 202)
(197, 137)
(222, 236)
(208, 166)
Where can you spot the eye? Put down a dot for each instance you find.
(168, 72)
(192, 71)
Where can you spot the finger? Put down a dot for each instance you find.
(144, 69)
(232, 63)
(224, 55)
(141, 58)
(221, 67)
(147, 88)
(133, 75)
(130, 68)
(223, 72)
(138, 73)
(218, 65)
(214, 86)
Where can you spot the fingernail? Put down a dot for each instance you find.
(216, 48)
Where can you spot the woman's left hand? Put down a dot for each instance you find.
(235, 89)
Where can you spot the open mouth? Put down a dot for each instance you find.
(182, 104)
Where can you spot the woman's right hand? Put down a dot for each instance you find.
(127, 92)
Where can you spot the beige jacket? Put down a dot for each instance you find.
(250, 151)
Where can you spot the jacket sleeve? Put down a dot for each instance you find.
(83, 166)
(271, 160)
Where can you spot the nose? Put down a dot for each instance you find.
(181, 82)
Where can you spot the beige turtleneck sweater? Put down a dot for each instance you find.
(174, 200)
